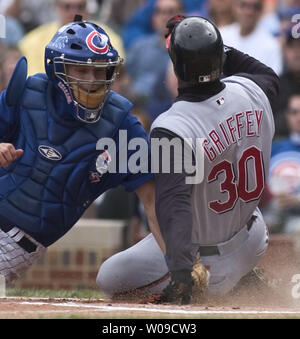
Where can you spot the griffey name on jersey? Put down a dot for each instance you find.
(234, 128)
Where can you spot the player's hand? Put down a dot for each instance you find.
(179, 290)
(9, 154)
(173, 22)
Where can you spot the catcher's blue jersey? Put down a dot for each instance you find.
(60, 174)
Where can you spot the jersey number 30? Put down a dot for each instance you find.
(236, 188)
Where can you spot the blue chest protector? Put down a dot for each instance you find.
(46, 190)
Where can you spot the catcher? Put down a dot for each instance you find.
(50, 168)
(225, 98)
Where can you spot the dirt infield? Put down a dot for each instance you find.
(273, 299)
(273, 294)
(45, 308)
(251, 301)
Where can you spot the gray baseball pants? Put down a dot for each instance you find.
(143, 267)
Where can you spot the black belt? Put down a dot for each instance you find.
(24, 242)
(206, 251)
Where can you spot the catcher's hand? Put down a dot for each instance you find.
(185, 286)
(8, 154)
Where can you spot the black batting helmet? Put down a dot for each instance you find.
(196, 50)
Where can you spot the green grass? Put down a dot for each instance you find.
(45, 293)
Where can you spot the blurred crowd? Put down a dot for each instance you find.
(269, 30)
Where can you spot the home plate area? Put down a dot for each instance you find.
(247, 302)
(272, 291)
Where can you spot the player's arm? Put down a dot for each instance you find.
(238, 63)
(146, 194)
(142, 182)
(173, 210)
(174, 215)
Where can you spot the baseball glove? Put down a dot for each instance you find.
(200, 276)
(185, 286)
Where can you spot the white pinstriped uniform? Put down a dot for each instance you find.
(14, 260)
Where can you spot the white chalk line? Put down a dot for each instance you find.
(39, 312)
(157, 310)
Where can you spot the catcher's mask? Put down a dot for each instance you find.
(82, 63)
(196, 49)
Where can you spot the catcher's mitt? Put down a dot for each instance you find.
(185, 286)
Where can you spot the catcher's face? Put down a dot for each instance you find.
(88, 83)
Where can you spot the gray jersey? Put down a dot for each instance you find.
(237, 127)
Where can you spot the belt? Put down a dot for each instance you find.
(24, 242)
(214, 250)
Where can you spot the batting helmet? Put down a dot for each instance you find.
(196, 49)
(82, 44)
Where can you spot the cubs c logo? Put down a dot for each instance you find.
(97, 42)
(285, 174)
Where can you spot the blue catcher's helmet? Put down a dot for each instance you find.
(83, 64)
